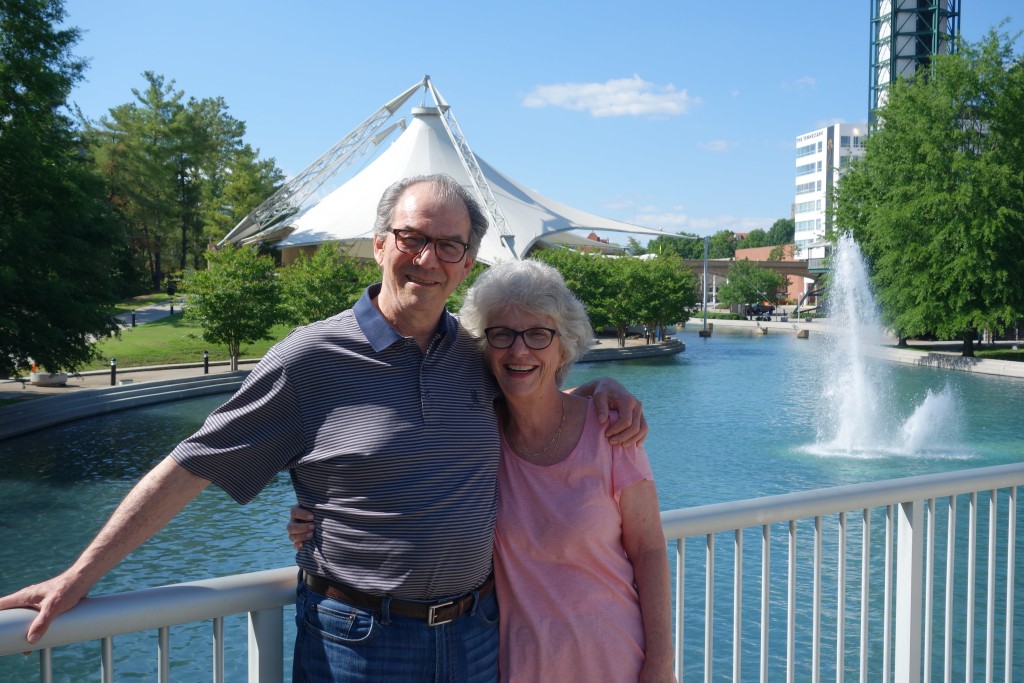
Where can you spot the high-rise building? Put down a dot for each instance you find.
(821, 156)
(905, 34)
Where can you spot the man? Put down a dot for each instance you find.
(383, 417)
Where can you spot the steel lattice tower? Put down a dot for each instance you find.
(905, 34)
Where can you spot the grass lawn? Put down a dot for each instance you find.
(169, 341)
(1001, 354)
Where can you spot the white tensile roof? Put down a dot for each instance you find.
(347, 214)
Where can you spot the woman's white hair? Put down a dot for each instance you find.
(532, 287)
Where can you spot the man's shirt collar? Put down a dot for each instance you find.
(379, 333)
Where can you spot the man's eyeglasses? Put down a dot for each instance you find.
(536, 338)
(412, 242)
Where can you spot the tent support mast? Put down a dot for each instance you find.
(285, 202)
(476, 175)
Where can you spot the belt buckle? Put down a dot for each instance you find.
(433, 619)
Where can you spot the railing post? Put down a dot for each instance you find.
(909, 546)
(266, 646)
(46, 665)
(680, 601)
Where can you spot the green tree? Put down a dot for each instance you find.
(721, 245)
(692, 248)
(179, 172)
(588, 276)
(782, 232)
(754, 239)
(634, 247)
(321, 285)
(58, 242)
(247, 183)
(937, 202)
(623, 301)
(236, 301)
(749, 284)
(667, 292)
(133, 148)
(206, 139)
(651, 292)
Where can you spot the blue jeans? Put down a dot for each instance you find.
(338, 643)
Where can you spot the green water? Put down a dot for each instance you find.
(734, 416)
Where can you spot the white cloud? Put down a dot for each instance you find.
(701, 225)
(617, 97)
(803, 83)
(717, 145)
(825, 123)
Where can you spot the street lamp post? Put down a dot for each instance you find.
(704, 293)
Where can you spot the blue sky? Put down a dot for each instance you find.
(676, 115)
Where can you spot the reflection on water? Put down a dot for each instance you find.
(734, 416)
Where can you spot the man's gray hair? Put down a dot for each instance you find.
(445, 189)
(532, 287)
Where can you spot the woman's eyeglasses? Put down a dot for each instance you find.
(536, 338)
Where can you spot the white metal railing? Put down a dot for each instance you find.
(260, 594)
(895, 638)
(814, 620)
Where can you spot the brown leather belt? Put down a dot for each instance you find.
(434, 614)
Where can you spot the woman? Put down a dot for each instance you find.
(580, 560)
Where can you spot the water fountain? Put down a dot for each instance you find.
(860, 414)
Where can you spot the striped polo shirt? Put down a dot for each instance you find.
(393, 449)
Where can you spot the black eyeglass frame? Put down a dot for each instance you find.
(520, 333)
(403, 234)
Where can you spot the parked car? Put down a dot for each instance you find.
(760, 312)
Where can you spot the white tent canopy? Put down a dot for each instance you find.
(347, 214)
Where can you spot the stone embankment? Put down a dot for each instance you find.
(29, 416)
(608, 349)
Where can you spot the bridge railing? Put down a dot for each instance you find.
(903, 580)
(892, 580)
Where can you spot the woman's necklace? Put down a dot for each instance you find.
(551, 446)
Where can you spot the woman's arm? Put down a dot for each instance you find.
(644, 542)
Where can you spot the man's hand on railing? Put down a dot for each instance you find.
(50, 598)
(154, 501)
(301, 527)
